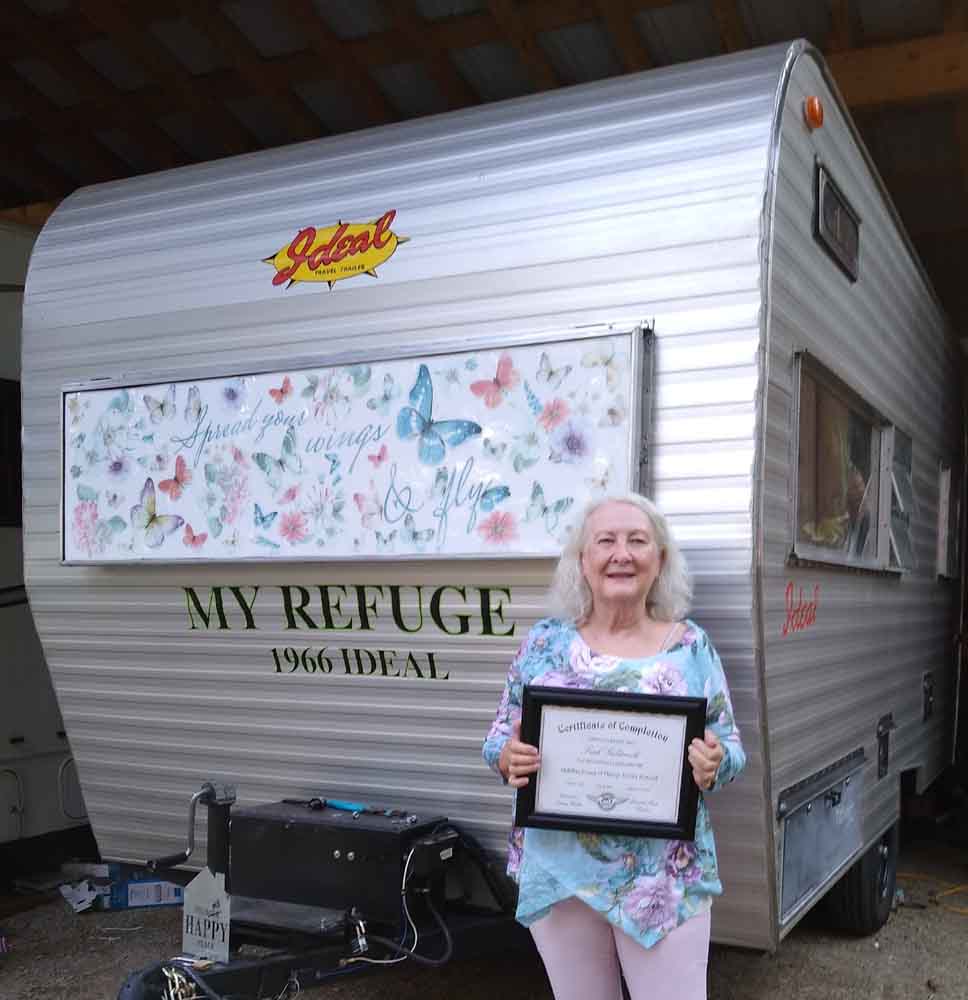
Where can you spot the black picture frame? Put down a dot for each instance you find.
(693, 710)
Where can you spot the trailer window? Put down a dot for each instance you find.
(838, 471)
(902, 502)
(836, 225)
(949, 522)
(10, 459)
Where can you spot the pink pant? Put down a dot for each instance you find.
(585, 956)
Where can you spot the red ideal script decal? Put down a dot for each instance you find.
(802, 614)
(336, 248)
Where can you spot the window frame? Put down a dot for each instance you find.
(882, 465)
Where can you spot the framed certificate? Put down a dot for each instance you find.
(611, 762)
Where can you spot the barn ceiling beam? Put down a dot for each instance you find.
(518, 28)
(457, 92)
(34, 214)
(627, 40)
(42, 37)
(904, 72)
(109, 17)
(340, 61)
(207, 19)
(732, 31)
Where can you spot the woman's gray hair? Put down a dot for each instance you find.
(668, 600)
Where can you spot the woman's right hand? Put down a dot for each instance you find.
(518, 759)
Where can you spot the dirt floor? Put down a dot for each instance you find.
(920, 953)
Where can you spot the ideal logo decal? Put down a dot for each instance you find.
(337, 252)
(800, 613)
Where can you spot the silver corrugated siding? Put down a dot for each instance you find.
(886, 337)
(618, 202)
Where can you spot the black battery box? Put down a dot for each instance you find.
(321, 856)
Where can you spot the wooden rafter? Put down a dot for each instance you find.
(112, 19)
(34, 214)
(732, 31)
(843, 32)
(956, 20)
(340, 61)
(207, 18)
(904, 72)
(521, 36)
(624, 34)
(43, 120)
(41, 36)
(413, 29)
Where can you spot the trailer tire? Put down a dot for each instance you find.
(861, 901)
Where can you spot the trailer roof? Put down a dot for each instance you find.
(96, 90)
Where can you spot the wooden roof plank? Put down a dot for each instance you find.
(456, 90)
(624, 35)
(113, 20)
(207, 18)
(732, 31)
(41, 37)
(341, 61)
(521, 36)
(903, 72)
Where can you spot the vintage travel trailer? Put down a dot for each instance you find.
(39, 791)
(304, 432)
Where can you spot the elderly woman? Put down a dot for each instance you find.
(600, 905)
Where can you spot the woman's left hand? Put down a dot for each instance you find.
(705, 756)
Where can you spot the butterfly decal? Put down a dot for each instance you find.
(493, 390)
(552, 377)
(615, 414)
(193, 406)
(494, 450)
(381, 404)
(288, 460)
(333, 405)
(603, 356)
(215, 524)
(263, 521)
(144, 516)
(85, 493)
(380, 457)
(266, 542)
(369, 506)
(486, 502)
(279, 395)
(287, 496)
(161, 409)
(385, 542)
(360, 375)
(599, 483)
(413, 538)
(416, 421)
(550, 513)
(534, 404)
(121, 403)
(76, 408)
(175, 486)
(193, 540)
(312, 384)
(334, 464)
(492, 496)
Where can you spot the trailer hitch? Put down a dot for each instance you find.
(219, 799)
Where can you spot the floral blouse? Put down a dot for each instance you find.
(645, 886)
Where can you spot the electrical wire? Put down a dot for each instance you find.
(950, 889)
(403, 953)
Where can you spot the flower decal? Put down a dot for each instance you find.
(571, 442)
(498, 529)
(294, 527)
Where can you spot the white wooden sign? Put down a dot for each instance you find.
(484, 452)
(205, 917)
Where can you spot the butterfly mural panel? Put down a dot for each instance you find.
(485, 452)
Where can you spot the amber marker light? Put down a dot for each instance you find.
(813, 112)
